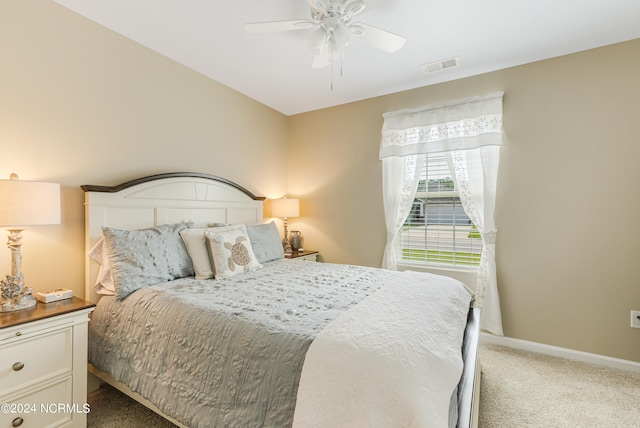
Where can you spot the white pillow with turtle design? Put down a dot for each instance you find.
(231, 250)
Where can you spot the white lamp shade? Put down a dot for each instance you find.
(285, 208)
(26, 203)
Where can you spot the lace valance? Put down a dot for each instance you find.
(463, 124)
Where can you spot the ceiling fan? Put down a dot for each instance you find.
(334, 30)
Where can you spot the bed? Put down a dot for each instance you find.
(267, 341)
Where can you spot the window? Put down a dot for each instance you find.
(469, 133)
(437, 230)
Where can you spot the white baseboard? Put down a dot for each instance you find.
(556, 351)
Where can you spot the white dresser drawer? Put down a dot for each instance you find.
(308, 258)
(35, 359)
(45, 406)
(23, 331)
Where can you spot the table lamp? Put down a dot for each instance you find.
(23, 203)
(285, 208)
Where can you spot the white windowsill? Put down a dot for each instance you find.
(467, 275)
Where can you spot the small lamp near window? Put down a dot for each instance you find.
(285, 208)
(23, 203)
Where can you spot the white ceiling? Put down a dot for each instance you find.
(275, 68)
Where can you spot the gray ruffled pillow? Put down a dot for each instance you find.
(144, 257)
(266, 242)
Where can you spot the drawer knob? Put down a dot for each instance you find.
(17, 367)
(17, 422)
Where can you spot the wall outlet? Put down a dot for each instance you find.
(635, 319)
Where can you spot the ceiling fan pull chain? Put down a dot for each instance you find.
(331, 66)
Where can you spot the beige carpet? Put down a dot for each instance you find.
(112, 409)
(524, 389)
(519, 389)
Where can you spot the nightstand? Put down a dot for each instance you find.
(43, 365)
(307, 255)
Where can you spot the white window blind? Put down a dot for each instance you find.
(437, 230)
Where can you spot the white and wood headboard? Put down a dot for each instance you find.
(160, 199)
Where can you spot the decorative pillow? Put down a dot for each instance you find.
(196, 244)
(144, 257)
(266, 242)
(231, 250)
(104, 282)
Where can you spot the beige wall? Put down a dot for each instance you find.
(568, 193)
(82, 105)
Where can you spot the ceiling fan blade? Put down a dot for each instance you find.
(273, 26)
(379, 38)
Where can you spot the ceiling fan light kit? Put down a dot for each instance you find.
(334, 30)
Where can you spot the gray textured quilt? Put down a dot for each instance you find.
(225, 353)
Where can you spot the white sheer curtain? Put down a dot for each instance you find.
(470, 132)
(400, 176)
(475, 174)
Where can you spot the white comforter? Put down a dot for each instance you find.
(397, 369)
